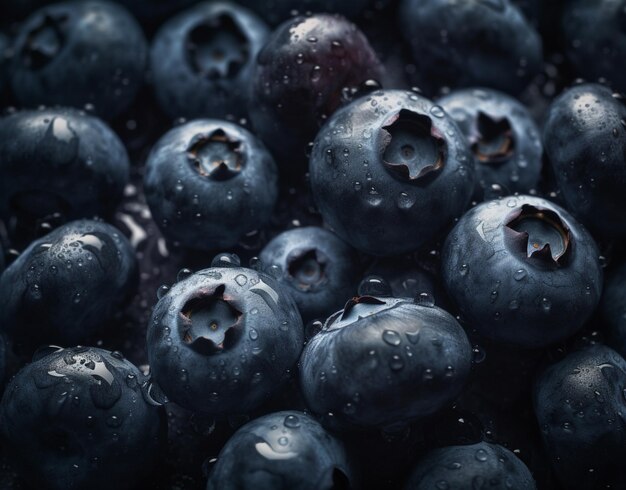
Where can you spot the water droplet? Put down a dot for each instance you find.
(162, 291)
(546, 305)
(183, 274)
(396, 363)
(481, 455)
(241, 279)
(437, 111)
(392, 338)
(519, 274)
(292, 421)
(464, 269)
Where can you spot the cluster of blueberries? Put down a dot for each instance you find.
(313, 244)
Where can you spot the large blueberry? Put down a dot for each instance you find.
(522, 271)
(59, 161)
(503, 137)
(78, 418)
(79, 53)
(224, 339)
(318, 268)
(67, 285)
(471, 43)
(281, 451)
(613, 307)
(580, 406)
(383, 362)
(471, 467)
(390, 171)
(275, 11)
(596, 53)
(298, 81)
(202, 59)
(585, 141)
(210, 182)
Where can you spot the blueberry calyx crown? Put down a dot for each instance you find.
(216, 156)
(44, 41)
(356, 309)
(216, 48)
(540, 234)
(413, 147)
(209, 321)
(306, 269)
(492, 142)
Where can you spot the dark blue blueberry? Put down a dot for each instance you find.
(594, 33)
(276, 11)
(202, 59)
(383, 362)
(585, 140)
(503, 137)
(405, 278)
(79, 53)
(390, 171)
(68, 285)
(298, 81)
(471, 43)
(209, 183)
(470, 467)
(522, 271)
(580, 406)
(58, 162)
(613, 305)
(223, 340)
(77, 419)
(282, 451)
(319, 270)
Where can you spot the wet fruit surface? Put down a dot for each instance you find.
(312, 244)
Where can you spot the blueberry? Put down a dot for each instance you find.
(471, 43)
(522, 271)
(202, 59)
(383, 362)
(298, 79)
(596, 53)
(579, 403)
(68, 285)
(79, 53)
(480, 465)
(275, 11)
(284, 450)
(223, 340)
(210, 182)
(585, 141)
(77, 418)
(390, 171)
(318, 268)
(58, 162)
(503, 137)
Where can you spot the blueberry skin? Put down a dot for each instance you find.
(283, 450)
(579, 404)
(210, 182)
(585, 141)
(78, 53)
(319, 269)
(480, 465)
(383, 362)
(67, 285)
(276, 11)
(189, 79)
(4, 70)
(223, 340)
(298, 78)
(596, 53)
(77, 418)
(484, 43)
(613, 308)
(377, 198)
(59, 161)
(503, 137)
(511, 297)
(405, 278)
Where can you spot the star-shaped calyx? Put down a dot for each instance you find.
(209, 322)
(413, 147)
(217, 48)
(492, 140)
(306, 269)
(217, 155)
(540, 234)
(44, 41)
